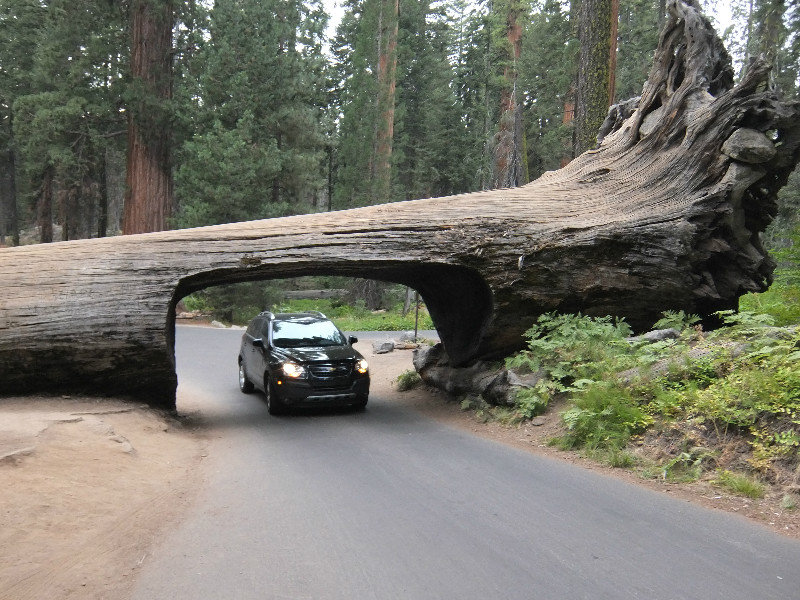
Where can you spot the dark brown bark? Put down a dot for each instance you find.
(657, 218)
(387, 82)
(8, 199)
(102, 207)
(149, 197)
(44, 207)
(591, 101)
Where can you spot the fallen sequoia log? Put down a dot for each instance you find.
(664, 214)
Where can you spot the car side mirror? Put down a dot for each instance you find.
(258, 343)
(352, 339)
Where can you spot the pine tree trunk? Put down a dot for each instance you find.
(612, 60)
(8, 198)
(770, 29)
(591, 102)
(149, 188)
(102, 208)
(387, 81)
(44, 209)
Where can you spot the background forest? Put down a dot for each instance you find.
(246, 109)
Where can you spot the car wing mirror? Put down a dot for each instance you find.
(352, 339)
(259, 343)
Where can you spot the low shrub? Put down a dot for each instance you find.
(408, 380)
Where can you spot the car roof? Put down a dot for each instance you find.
(301, 316)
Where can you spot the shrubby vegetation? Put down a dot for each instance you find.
(701, 394)
(408, 380)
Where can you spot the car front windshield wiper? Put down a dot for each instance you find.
(306, 343)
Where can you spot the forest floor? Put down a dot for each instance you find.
(90, 485)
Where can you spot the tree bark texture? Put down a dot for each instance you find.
(612, 54)
(591, 102)
(44, 207)
(387, 82)
(148, 197)
(664, 214)
(507, 147)
(8, 198)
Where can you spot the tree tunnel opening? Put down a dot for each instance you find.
(457, 298)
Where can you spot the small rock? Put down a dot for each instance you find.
(218, 324)
(538, 421)
(750, 146)
(406, 336)
(125, 445)
(427, 356)
(382, 347)
(659, 335)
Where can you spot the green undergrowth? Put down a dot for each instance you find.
(357, 318)
(695, 396)
(408, 380)
(346, 316)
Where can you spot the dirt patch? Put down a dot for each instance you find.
(87, 486)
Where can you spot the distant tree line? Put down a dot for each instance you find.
(139, 115)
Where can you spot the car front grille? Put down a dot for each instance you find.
(331, 370)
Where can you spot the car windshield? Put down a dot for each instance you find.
(306, 333)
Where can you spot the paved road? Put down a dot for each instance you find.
(387, 504)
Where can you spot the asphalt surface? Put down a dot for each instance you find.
(388, 504)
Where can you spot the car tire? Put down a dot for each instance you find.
(245, 385)
(361, 403)
(274, 405)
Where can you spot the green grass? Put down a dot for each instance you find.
(741, 485)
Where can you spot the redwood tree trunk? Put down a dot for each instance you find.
(387, 81)
(591, 102)
(508, 168)
(148, 197)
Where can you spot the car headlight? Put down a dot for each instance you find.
(361, 366)
(293, 370)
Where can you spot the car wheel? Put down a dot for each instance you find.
(245, 385)
(361, 403)
(274, 405)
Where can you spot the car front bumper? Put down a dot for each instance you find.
(302, 393)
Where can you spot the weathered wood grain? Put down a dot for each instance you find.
(655, 218)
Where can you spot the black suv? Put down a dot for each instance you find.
(301, 359)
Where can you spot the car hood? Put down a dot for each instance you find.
(328, 353)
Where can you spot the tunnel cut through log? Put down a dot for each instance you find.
(457, 298)
(664, 214)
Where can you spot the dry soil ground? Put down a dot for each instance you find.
(89, 485)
